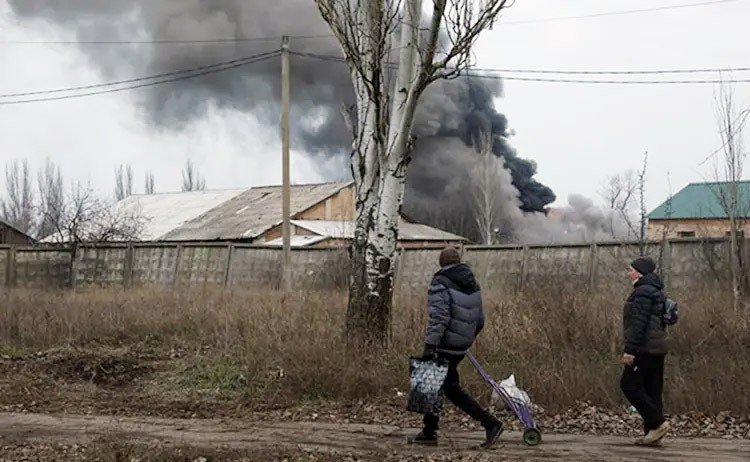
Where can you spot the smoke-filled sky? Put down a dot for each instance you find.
(576, 134)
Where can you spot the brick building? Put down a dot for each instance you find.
(699, 211)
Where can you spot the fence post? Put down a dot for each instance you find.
(129, 259)
(593, 264)
(666, 261)
(177, 264)
(744, 262)
(399, 268)
(228, 269)
(522, 273)
(73, 281)
(10, 270)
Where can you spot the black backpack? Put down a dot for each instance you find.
(671, 312)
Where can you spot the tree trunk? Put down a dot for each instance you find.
(374, 254)
(734, 263)
(370, 297)
(382, 144)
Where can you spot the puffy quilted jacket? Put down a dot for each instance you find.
(455, 310)
(644, 330)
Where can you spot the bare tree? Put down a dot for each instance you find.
(728, 169)
(381, 123)
(191, 178)
(623, 193)
(51, 199)
(619, 193)
(17, 207)
(149, 183)
(123, 182)
(84, 217)
(487, 189)
(643, 215)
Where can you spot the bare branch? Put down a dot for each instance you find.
(619, 194)
(51, 199)
(85, 218)
(17, 208)
(192, 180)
(123, 182)
(642, 237)
(731, 123)
(464, 21)
(149, 186)
(486, 188)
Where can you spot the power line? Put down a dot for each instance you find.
(613, 82)
(739, 120)
(224, 40)
(174, 76)
(482, 73)
(249, 60)
(219, 40)
(335, 59)
(551, 71)
(611, 13)
(136, 79)
(617, 72)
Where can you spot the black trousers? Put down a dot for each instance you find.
(643, 384)
(460, 398)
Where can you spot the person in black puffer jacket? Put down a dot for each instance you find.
(645, 339)
(455, 319)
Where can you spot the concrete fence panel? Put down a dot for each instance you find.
(504, 270)
(155, 264)
(100, 265)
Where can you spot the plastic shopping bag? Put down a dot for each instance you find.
(427, 378)
(511, 389)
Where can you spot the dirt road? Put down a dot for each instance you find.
(352, 440)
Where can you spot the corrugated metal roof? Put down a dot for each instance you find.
(701, 201)
(417, 232)
(297, 241)
(248, 213)
(251, 213)
(163, 212)
(334, 229)
(406, 231)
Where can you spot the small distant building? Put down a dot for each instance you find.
(698, 211)
(11, 235)
(322, 216)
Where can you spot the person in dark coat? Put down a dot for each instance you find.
(645, 347)
(455, 319)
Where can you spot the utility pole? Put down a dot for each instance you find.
(286, 193)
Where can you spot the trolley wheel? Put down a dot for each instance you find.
(532, 436)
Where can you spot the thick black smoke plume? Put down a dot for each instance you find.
(454, 110)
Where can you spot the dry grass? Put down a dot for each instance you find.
(562, 345)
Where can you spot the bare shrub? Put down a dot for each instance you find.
(562, 342)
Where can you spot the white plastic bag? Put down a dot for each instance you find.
(511, 389)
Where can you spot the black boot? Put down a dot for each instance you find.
(494, 431)
(424, 438)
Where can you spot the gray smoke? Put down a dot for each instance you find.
(446, 171)
(317, 89)
(455, 111)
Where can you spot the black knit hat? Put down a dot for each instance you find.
(644, 265)
(450, 256)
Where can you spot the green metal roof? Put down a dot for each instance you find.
(702, 200)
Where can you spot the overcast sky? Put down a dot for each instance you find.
(578, 134)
